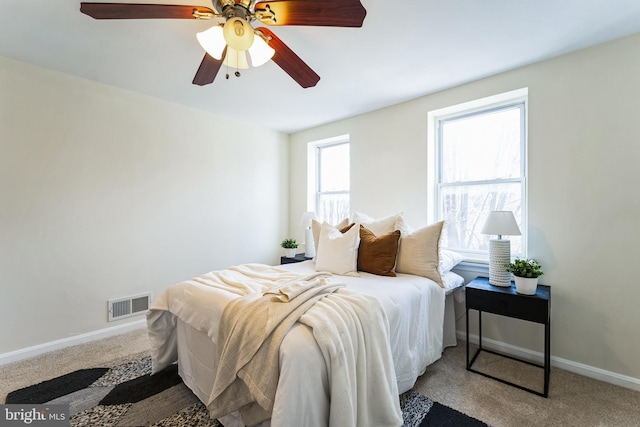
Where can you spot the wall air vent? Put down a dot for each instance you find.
(121, 308)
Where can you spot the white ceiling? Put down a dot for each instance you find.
(404, 50)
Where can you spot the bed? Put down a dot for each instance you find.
(379, 298)
(414, 307)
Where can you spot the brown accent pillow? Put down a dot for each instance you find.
(377, 254)
(346, 228)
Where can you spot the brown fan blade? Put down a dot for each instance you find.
(326, 13)
(289, 61)
(208, 69)
(141, 11)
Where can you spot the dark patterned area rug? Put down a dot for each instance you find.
(126, 395)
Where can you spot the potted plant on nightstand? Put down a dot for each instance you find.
(526, 272)
(290, 246)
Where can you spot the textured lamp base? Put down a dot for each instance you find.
(499, 258)
(309, 246)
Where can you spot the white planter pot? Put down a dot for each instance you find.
(290, 252)
(526, 285)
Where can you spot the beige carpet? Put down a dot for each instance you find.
(573, 400)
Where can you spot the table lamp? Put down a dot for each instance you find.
(500, 223)
(305, 221)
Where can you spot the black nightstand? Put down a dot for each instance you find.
(298, 258)
(482, 296)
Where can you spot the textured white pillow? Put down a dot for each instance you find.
(315, 230)
(419, 253)
(338, 252)
(378, 226)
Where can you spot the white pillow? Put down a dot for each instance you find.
(338, 252)
(448, 260)
(402, 225)
(315, 230)
(378, 226)
(419, 253)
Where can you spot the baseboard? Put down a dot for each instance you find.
(558, 362)
(39, 349)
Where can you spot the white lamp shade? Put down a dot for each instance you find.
(236, 58)
(238, 33)
(212, 41)
(307, 217)
(260, 52)
(501, 223)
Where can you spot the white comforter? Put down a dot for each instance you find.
(414, 307)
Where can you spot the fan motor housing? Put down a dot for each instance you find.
(231, 8)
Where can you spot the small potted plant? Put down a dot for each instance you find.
(526, 272)
(290, 246)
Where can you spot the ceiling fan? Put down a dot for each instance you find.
(229, 40)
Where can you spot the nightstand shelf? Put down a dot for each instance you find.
(505, 301)
(297, 258)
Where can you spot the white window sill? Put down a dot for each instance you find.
(473, 266)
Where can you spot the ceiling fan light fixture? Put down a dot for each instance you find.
(236, 59)
(260, 52)
(212, 41)
(238, 33)
(234, 33)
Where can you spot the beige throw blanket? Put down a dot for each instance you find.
(352, 332)
(250, 333)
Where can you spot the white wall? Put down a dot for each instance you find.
(584, 210)
(106, 193)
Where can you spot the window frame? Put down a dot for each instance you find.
(314, 170)
(508, 100)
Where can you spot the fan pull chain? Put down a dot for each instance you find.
(237, 73)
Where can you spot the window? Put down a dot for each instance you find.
(480, 166)
(328, 178)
